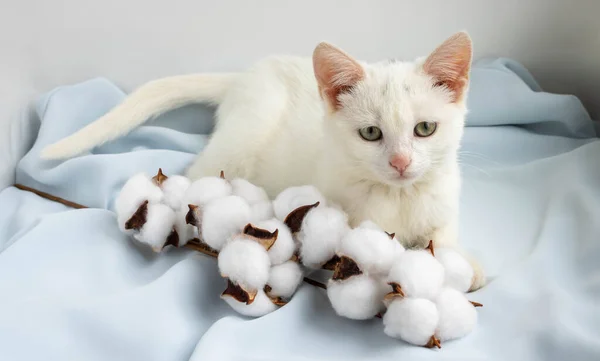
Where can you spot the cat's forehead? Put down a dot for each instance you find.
(398, 94)
(396, 78)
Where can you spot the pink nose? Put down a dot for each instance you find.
(400, 162)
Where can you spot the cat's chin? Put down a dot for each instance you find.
(399, 181)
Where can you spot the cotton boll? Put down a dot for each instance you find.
(160, 220)
(174, 188)
(207, 189)
(261, 305)
(458, 271)
(320, 234)
(284, 246)
(284, 279)
(294, 197)
(369, 225)
(398, 248)
(418, 273)
(245, 262)
(413, 320)
(372, 225)
(372, 250)
(359, 297)
(250, 192)
(261, 211)
(458, 316)
(134, 193)
(222, 218)
(184, 231)
(256, 197)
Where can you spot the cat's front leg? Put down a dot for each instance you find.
(447, 236)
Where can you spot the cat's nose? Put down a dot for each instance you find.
(400, 162)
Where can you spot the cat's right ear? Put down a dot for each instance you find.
(336, 73)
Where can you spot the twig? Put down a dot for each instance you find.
(50, 197)
(315, 283)
(201, 247)
(194, 244)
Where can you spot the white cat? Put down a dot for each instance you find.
(379, 139)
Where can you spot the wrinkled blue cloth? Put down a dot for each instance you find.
(73, 287)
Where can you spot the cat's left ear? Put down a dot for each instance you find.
(336, 73)
(450, 64)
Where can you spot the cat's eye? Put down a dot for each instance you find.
(370, 134)
(425, 129)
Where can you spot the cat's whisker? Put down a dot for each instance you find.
(475, 168)
(477, 156)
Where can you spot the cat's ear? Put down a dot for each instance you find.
(336, 73)
(449, 65)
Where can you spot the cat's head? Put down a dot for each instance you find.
(395, 122)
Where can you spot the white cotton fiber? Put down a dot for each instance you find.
(284, 279)
(368, 224)
(207, 189)
(160, 220)
(261, 305)
(418, 273)
(250, 192)
(256, 197)
(184, 231)
(398, 248)
(174, 188)
(359, 297)
(245, 262)
(222, 218)
(320, 234)
(284, 247)
(413, 320)
(458, 271)
(371, 249)
(294, 197)
(261, 211)
(134, 193)
(458, 316)
(372, 225)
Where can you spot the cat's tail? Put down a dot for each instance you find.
(148, 101)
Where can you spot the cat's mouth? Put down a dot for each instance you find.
(401, 180)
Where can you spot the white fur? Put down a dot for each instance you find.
(222, 218)
(160, 220)
(207, 189)
(320, 234)
(418, 273)
(245, 262)
(458, 317)
(294, 197)
(284, 247)
(261, 306)
(458, 271)
(413, 320)
(277, 129)
(134, 192)
(174, 189)
(371, 249)
(149, 101)
(284, 279)
(359, 297)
